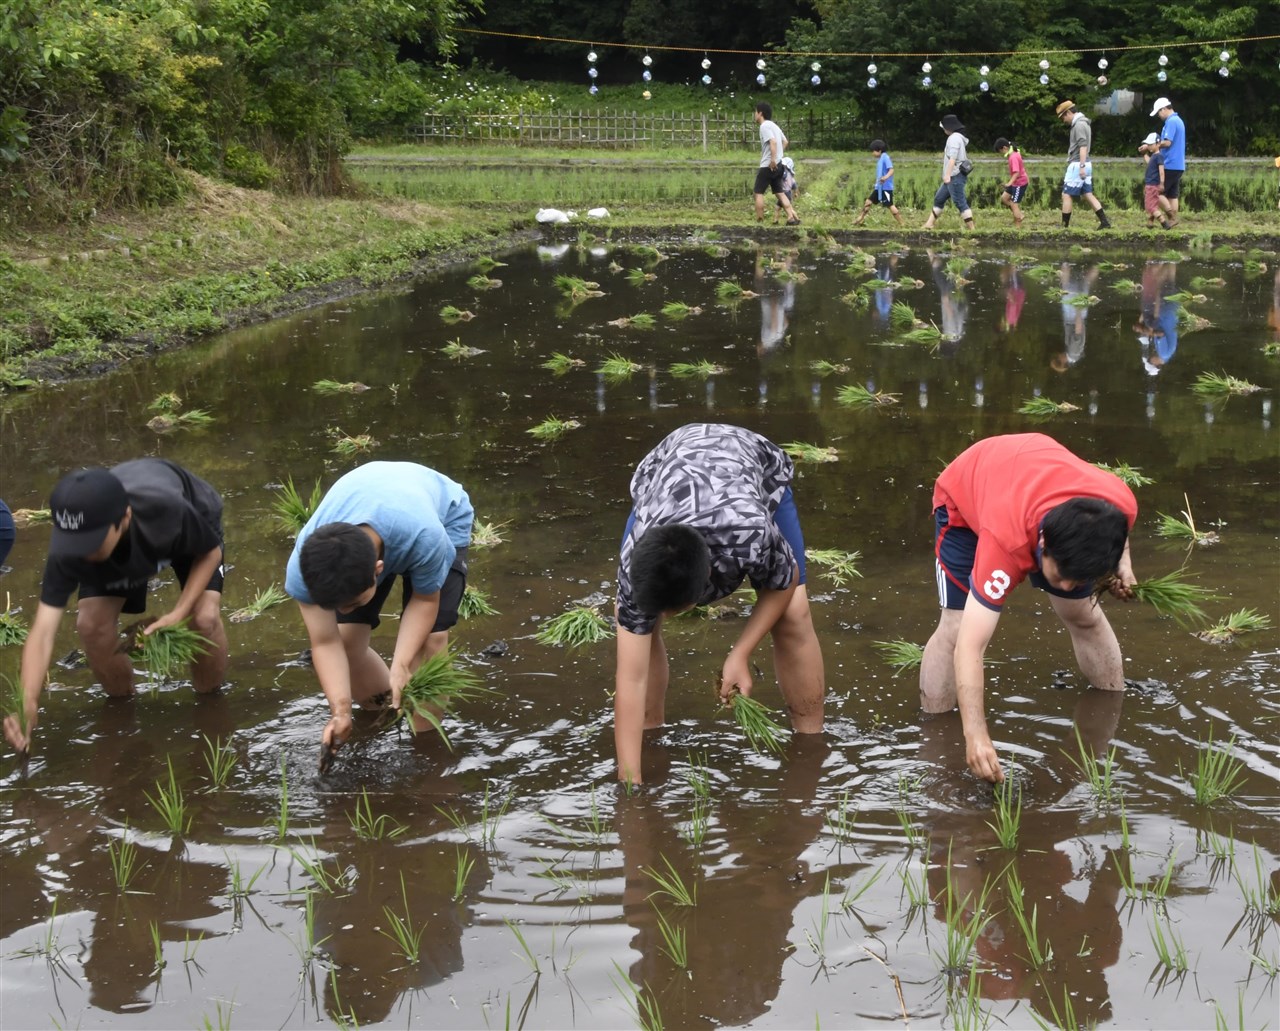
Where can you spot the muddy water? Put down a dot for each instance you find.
(878, 811)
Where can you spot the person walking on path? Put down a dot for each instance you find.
(769, 174)
(1173, 145)
(1152, 176)
(1009, 508)
(1016, 187)
(882, 190)
(1078, 182)
(956, 167)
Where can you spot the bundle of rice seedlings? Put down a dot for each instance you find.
(561, 363)
(702, 369)
(475, 602)
(349, 447)
(957, 267)
(1226, 630)
(487, 264)
(12, 629)
(838, 566)
(1183, 527)
(577, 289)
(329, 387)
(907, 283)
(1111, 266)
(579, 626)
(452, 314)
(903, 316)
(1171, 595)
(170, 649)
(678, 310)
(642, 321)
(900, 654)
(1083, 300)
(764, 733)
(875, 284)
(24, 517)
(715, 250)
(728, 290)
(618, 367)
(1172, 255)
(457, 350)
(1190, 322)
(166, 403)
(1224, 252)
(1078, 251)
(786, 275)
(855, 395)
(858, 300)
(822, 367)
(1186, 297)
(292, 511)
(1252, 267)
(1271, 349)
(263, 600)
(647, 253)
(638, 276)
(179, 420)
(1130, 474)
(860, 266)
(929, 334)
(1205, 282)
(803, 452)
(487, 535)
(436, 687)
(482, 282)
(1219, 385)
(1040, 271)
(552, 428)
(1043, 407)
(1127, 286)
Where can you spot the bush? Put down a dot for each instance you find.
(246, 167)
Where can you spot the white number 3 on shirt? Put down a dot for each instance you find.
(997, 585)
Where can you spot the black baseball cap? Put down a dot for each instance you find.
(84, 505)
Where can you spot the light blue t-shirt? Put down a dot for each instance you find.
(1175, 155)
(422, 516)
(883, 166)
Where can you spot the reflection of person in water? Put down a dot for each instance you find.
(1075, 893)
(744, 914)
(955, 307)
(1273, 318)
(1157, 326)
(886, 270)
(776, 302)
(1015, 295)
(1078, 285)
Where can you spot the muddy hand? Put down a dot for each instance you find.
(17, 737)
(982, 759)
(129, 642)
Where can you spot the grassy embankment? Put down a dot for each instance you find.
(73, 299)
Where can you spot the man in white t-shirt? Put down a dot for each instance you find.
(769, 174)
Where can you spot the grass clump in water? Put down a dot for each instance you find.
(638, 276)
(929, 334)
(1215, 385)
(699, 369)
(349, 447)
(487, 264)
(168, 422)
(802, 452)
(451, 313)
(487, 535)
(822, 367)
(1127, 286)
(482, 282)
(170, 649)
(552, 428)
(1130, 474)
(577, 289)
(902, 655)
(903, 316)
(838, 566)
(618, 367)
(763, 731)
(728, 290)
(475, 602)
(679, 310)
(292, 511)
(580, 625)
(329, 387)
(561, 363)
(1218, 773)
(457, 350)
(855, 395)
(1043, 407)
(437, 686)
(166, 403)
(1183, 527)
(1227, 629)
(12, 629)
(267, 598)
(1171, 595)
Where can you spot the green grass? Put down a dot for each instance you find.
(837, 566)
(699, 369)
(1008, 814)
(1042, 407)
(855, 395)
(475, 602)
(901, 655)
(616, 367)
(671, 884)
(1218, 773)
(403, 934)
(560, 363)
(1227, 629)
(1214, 386)
(579, 626)
(1130, 474)
(330, 387)
(763, 730)
(371, 826)
(171, 649)
(170, 803)
(802, 452)
(13, 631)
(440, 683)
(220, 760)
(553, 428)
(267, 598)
(290, 508)
(347, 446)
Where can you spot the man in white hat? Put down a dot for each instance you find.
(1152, 177)
(1173, 144)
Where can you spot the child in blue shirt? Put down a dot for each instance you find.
(882, 190)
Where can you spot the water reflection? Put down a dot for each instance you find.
(1077, 285)
(953, 303)
(1157, 325)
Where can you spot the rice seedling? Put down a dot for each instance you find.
(529, 956)
(822, 367)
(239, 887)
(1218, 773)
(124, 860)
(171, 648)
(1170, 950)
(1148, 891)
(157, 949)
(457, 350)
(855, 395)
(875, 284)
(1008, 814)
(170, 803)
(166, 403)
(671, 884)
(646, 252)
(1064, 1019)
(816, 934)
(849, 900)
(462, 866)
(485, 263)
(638, 276)
(291, 510)
(1130, 474)
(223, 1017)
(1260, 894)
(1172, 595)
(861, 265)
(482, 282)
(1183, 527)
(1043, 407)
(909, 829)
(903, 316)
(450, 313)
(327, 881)
(560, 363)
(267, 598)
(1253, 267)
(915, 885)
(1271, 349)
(24, 517)
(641, 1002)
(786, 275)
(675, 943)
(553, 428)
(1190, 322)
(966, 1009)
(576, 289)
(1099, 773)
(1205, 282)
(307, 945)
(679, 310)
(1223, 849)
(962, 931)
(1172, 255)
(1040, 271)
(837, 566)
(1038, 954)
(330, 387)
(564, 881)
(1127, 286)
(13, 630)
(764, 733)
(699, 369)
(1111, 266)
(1083, 300)
(728, 290)
(1078, 251)
(858, 300)
(802, 452)
(220, 759)
(1213, 385)
(698, 775)
(928, 334)
(436, 687)
(616, 367)
(900, 654)
(475, 602)
(1186, 297)
(167, 423)
(487, 535)
(695, 831)
(347, 446)
(957, 268)
(369, 826)
(841, 819)
(580, 625)
(715, 250)
(406, 938)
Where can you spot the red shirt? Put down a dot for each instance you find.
(1001, 488)
(1017, 170)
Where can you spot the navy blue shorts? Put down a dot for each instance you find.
(1077, 191)
(881, 196)
(1016, 193)
(455, 582)
(786, 519)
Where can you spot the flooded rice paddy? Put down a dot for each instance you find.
(855, 882)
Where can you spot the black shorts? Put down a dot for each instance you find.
(135, 595)
(881, 196)
(455, 582)
(1172, 183)
(767, 180)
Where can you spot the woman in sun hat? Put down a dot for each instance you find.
(955, 173)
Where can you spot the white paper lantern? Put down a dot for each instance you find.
(816, 66)
(984, 85)
(647, 95)
(1102, 80)
(871, 83)
(646, 60)
(760, 79)
(1224, 71)
(1225, 56)
(706, 63)
(1044, 64)
(1162, 60)
(926, 68)
(1044, 80)
(984, 71)
(1162, 75)
(706, 80)
(927, 81)
(760, 65)
(593, 72)
(1102, 63)
(646, 75)
(872, 69)
(592, 57)
(816, 80)
(594, 89)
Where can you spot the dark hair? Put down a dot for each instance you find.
(766, 109)
(670, 566)
(337, 562)
(878, 145)
(1085, 537)
(1001, 143)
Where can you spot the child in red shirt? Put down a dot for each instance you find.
(1016, 187)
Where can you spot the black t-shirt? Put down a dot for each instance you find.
(176, 516)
